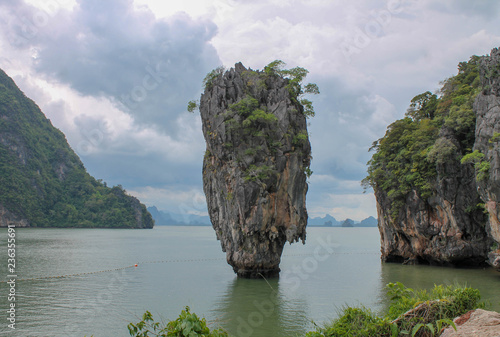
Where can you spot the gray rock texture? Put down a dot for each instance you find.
(487, 108)
(254, 167)
(449, 228)
(438, 230)
(478, 323)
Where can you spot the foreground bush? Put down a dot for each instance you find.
(355, 322)
(410, 313)
(186, 325)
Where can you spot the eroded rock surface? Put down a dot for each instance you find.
(444, 229)
(450, 227)
(487, 108)
(254, 169)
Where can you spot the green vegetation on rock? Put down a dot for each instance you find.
(256, 79)
(482, 166)
(247, 120)
(44, 182)
(295, 85)
(256, 167)
(495, 138)
(211, 76)
(248, 108)
(436, 130)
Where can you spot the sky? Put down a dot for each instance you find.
(115, 76)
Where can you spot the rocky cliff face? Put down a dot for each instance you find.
(254, 170)
(440, 219)
(487, 108)
(443, 229)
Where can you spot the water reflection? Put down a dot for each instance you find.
(260, 308)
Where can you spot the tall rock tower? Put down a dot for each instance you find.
(256, 164)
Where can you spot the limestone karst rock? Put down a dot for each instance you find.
(439, 229)
(487, 108)
(255, 165)
(443, 206)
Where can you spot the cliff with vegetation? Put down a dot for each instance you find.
(256, 163)
(435, 172)
(43, 183)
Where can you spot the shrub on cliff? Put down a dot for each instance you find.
(406, 158)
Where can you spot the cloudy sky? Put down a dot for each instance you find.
(115, 77)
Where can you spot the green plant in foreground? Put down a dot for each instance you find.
(354, 322)
(424, 313)
(410, 313)
(186, 325)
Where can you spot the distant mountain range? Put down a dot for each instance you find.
(330, 221)
(172, 219)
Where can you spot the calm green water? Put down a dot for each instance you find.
(179, 266)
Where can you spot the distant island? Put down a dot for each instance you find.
(43, 183)
(174, 219)
(163, 218)
(330, 221)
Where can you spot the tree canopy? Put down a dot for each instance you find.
(44, 181)
(406, 158)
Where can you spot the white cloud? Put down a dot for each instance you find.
(195, 8)
(383, 113)
(343, 206)
(173, 199)
(79, 61)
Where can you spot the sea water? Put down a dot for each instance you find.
(83, 282)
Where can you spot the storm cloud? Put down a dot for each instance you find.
(115, 77)
(149, 67)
